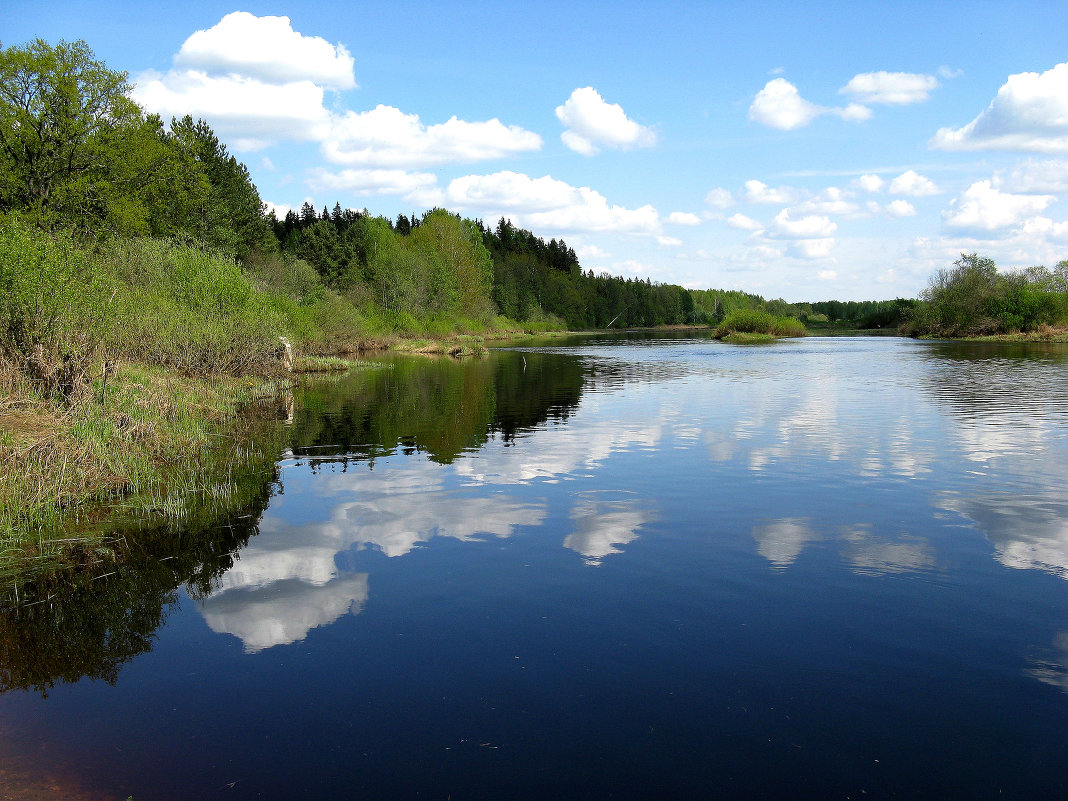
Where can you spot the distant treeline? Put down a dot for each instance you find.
(389, 263)
(409, 267)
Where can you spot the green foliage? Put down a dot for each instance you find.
(974, 299)
(192, 310)
(228, 214)
(77, 152)
(756, 321)
(65, 123)
(54, 307)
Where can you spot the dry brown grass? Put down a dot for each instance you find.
(56, 456)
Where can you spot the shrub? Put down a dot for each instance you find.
(54, 307)
(193, 310)
(974, 299)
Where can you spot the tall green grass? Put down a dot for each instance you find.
(191, 310)
(755, 321)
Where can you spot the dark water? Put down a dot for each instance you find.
(630, 568)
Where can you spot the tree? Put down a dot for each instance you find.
(64, 117)
(231, 215)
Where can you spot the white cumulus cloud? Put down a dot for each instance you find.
(743, 223)
(683, 218)
(869, 183)
(591, 122)
(547, 203)
(809, 227)
(780, 105)
(269, 49)
(755, 191)
(258, 82)
(912, 183)
(1029, 113)
(891, 88)
(900, 208)
(246, 112)
(981, 207)
(387, 137)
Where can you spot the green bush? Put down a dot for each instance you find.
(974, 299)
(192, 310)
(54, 307)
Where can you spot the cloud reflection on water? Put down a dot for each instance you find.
(1028, 531)
(782, 541)
(602, 524)
(1051, 666)
(286, 581)
(282, 612)
(809, 418)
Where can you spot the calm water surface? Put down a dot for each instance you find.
(626, 568)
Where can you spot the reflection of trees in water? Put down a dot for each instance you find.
(89, 620)
(1008, 401)
(438, 406)
(988, 381)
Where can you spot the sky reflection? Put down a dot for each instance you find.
(817, 416)
(603, 525)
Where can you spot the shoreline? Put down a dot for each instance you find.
(141, 440)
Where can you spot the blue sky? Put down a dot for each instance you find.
(805, 151)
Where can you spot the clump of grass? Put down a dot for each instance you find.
(322, 364)
(120, 440)
(457, 346)
(755, 321)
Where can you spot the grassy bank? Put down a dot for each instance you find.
(125, 360)
(131, 441)
(1044, 333)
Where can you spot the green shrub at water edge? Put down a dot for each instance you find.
(192, 310)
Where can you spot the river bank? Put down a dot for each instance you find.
(144, 437)
(140, 438)
(1043, 333)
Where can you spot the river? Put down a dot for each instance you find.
(623, 567)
